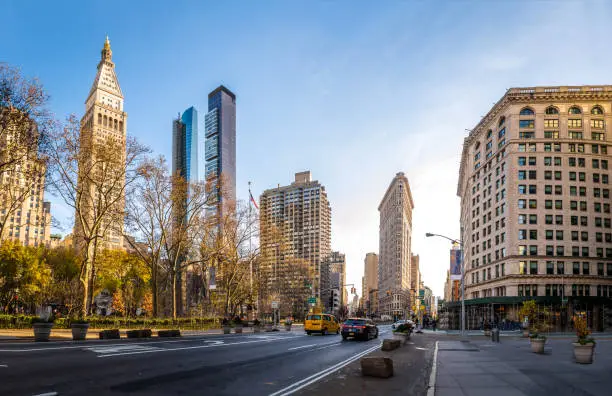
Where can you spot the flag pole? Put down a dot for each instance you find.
(250, 246)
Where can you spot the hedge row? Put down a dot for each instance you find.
(113, 322)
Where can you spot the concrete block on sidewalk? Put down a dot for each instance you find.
(378, 366)
(389, 345)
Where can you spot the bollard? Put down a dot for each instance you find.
(495, 335)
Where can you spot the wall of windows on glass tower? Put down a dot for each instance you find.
(220, 141)
(535, 208)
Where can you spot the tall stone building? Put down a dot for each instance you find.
(415, 280)
(370, 282)
(534, 184)
(295, 229)
(24, 215)
(105, 121)
(395, 233)
(333, 279)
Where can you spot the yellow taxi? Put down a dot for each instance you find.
(321, 323)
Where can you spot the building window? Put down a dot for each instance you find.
(533, 219)
(598, 136)
(575, 135)
(559, 219)
(526, 111)
(574, 110)
(551, 134)
(585, 268)
(597, 110)
(597, 124)
(527, 123)
(550, 267)
(560, 267)
(576, 268)
(522, 161)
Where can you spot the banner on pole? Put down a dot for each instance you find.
(455, 264)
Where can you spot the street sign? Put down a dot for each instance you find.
(312, 300)
(274, 304)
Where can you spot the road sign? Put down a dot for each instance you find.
(274, 304)
(312, 300)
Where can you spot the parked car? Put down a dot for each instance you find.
(399, 322)
(359, 328)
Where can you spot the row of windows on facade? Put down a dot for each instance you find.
(572, 123)
(577, 251)
(110, 122)
(551, 147)
(598, 207)
(558, 290)
(558, 235)
(558, 268)
(552, 268)
(596, 163)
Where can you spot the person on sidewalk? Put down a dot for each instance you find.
(433, 325)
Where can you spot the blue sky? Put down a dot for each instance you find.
(354, 91)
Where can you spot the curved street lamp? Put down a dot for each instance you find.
(460, 243)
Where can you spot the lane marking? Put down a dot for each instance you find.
(328, 346)
(300, 347)
(47, 394)
(182, 348)
(101, 350)
(84, 346)
(4, 365)
(422, 349)
(431, 389)
(321, 374)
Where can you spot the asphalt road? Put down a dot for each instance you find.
(275, 363)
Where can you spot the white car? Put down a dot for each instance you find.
(399, 322)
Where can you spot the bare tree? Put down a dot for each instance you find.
(149, 211)
(91, 176)
(24, 121)
(188, 203)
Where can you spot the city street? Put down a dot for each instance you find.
(255, 364)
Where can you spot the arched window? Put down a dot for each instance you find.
(121, 126)
(105, 121)
(99, 118)
(489, 134)
(552, 110)
(597, 110)
(502, 119)
(116, 122)
(526, 111)
(574, 110)
(477, 146)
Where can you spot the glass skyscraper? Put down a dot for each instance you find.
(185, 146)
(220, 143)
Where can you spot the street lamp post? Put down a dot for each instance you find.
(460, 243)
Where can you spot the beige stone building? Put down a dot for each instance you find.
(295, 224)
(535, 205)
(24, 215)
(105, 121)
(394, 261)
(369, 282)
(415, 281)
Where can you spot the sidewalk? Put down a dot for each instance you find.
(473, 367)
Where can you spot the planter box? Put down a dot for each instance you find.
(169, 333)
(142, 333)
(537, 345)
(42, 331)
(401, 337)
(227, 329)
(79, 331)
(238, 329)
(110, 334)
(583, 354)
